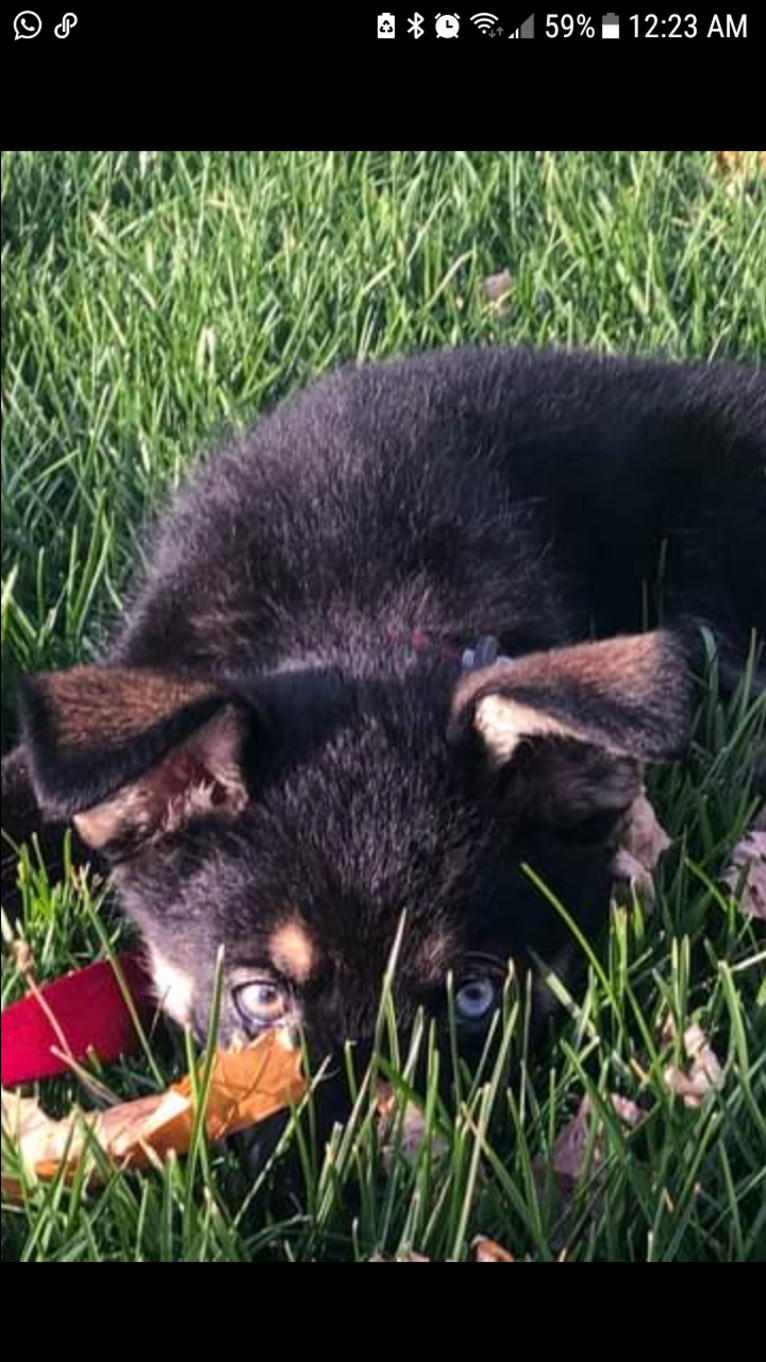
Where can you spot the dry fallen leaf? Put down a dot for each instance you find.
(488, 1251)
(498, 289)
(705, 1072)
(407, 1141)
(579, 1136)
(748, 867)
(246, 1087)
(580, 1150)
(642, 843)
(738, 167)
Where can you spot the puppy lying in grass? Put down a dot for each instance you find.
(390, 647)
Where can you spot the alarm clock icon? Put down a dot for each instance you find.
(447, 25)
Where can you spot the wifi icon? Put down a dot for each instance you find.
(484, 21)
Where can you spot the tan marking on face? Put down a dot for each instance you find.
(174, 987)
(292, 950)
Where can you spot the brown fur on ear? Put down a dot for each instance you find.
(108, 705)
(574, 725)
(135, 748)
(627, 695)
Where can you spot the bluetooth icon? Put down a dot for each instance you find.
(415, 25)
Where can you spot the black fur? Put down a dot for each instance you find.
(527, 496)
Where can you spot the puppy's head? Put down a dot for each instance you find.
(294, 821)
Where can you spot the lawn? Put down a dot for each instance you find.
(152, 300)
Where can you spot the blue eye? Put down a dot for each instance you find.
(475, 999)
(262, 1002)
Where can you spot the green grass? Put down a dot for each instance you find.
(152, 299)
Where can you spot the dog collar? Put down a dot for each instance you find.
(483, 654)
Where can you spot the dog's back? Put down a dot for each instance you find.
(531, 496)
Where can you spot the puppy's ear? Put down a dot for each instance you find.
(132, 753)
(573, 727)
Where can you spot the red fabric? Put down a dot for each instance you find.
(90, 1010)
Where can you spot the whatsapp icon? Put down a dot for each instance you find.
(27, 24)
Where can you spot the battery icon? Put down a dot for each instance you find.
(610, 26)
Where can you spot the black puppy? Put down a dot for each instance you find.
(387, 649)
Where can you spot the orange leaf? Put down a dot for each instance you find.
(487, 1251)
(246, 1087)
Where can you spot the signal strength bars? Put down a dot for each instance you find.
(527, 29)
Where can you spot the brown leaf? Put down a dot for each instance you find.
(570, 1152)
(748, 867)
(498, 289)
(705, 1072)
(407, 1140)
(488, 1251)
(739, 165)
(581, 1147)
(246, 1087)
(739, 169)
(572, 1142)
(570, 1161)
(642, 842)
